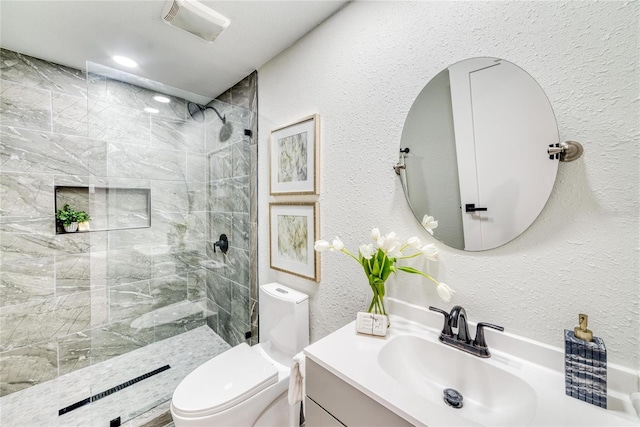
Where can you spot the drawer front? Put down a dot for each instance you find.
(318, 417)
(344, 402)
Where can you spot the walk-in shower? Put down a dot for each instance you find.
(98, 327)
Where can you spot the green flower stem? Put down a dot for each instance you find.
(414, 271)
(377, 302)
(410, 256)
(346, 251)
(378, 268)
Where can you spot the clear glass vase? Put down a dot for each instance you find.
(379, 301)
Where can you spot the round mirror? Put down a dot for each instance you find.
(477, 138)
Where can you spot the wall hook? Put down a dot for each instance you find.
(401, 165)
(566, 151)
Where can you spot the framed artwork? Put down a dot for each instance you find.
(293, 229)
(294, 157)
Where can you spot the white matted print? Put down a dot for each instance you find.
(293, 228)
(294, 157)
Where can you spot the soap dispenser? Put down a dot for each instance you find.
(585, 359)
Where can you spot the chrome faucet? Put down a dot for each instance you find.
(457, 318)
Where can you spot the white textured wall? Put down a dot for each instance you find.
(361, 71)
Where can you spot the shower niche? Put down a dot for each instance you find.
(109, 208)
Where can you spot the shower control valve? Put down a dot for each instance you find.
(222, 243)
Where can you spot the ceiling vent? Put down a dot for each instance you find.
(195, 18)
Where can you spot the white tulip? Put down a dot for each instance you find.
(390, 241)
(414, 242)
(337, 245)
(375, 234)
(394, 251)
(444, 292)
(431, 252)
(366, 251)
(429, 223)
(321, 245)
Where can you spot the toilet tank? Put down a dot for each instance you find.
(284, 321)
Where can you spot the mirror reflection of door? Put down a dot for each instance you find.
(493, 107)
(478, 134)
(432, 173)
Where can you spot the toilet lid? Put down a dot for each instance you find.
(223, 382)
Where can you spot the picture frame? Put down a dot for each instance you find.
(294, 156)
(293, 229)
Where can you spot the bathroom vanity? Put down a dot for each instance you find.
(398, 380)
(347, 404)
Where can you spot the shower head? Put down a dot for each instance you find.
(196, 111)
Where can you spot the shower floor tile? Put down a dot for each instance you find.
(39, 405)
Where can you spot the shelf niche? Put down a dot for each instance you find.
(110, 208)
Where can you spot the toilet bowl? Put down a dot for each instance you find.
(247, 386)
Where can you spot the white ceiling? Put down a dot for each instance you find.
(73, 32)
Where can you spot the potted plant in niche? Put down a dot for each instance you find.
(70, 218)
(83, 219)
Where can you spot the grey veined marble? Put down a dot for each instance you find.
(70, 115)
(34, 72)
(41, 321)
(116, 123)
(176, 134)
(26, 279)
(133, 97)
(30, 151)
(39, 405)
(24, 106)
(136, 161)
(28, 195)
(72, 301)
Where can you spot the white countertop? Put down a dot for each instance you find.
(354, 358)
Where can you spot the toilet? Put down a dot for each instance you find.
(248, 386)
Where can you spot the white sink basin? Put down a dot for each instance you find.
(521, 384)
(492, 396)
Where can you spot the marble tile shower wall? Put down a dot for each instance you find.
(244, 94)
(71, 300)
(232, 166)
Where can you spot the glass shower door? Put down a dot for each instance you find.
(164, 190)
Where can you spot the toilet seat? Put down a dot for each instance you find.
(223, 382)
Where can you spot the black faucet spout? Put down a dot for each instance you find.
(458, 319)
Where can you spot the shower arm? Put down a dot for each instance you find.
(223, 118)
(196, 111)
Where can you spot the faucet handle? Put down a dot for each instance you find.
(446, 329)
(480, 341)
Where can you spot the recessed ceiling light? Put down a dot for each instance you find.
(124, 61)
(151, 110)
(162, 99)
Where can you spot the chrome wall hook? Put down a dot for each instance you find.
(566, 151)
(398, 167)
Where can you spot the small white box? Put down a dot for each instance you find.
(371, 324)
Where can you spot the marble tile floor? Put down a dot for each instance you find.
(136, 405)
